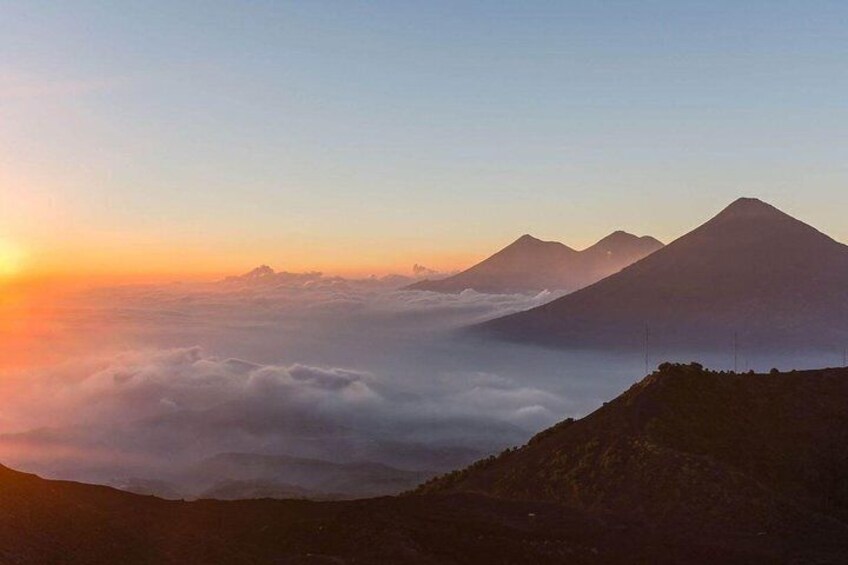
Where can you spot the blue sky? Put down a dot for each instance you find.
(354, 135)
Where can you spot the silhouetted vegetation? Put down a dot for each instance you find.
(693, 450)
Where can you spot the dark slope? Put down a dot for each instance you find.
(60, 522)
(731, 457)
(751, 270)
(529, 264)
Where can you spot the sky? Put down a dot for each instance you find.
(179, 139)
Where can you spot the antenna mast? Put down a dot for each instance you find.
(735, 352)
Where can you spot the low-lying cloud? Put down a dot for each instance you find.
(159, 407)
(301, 365)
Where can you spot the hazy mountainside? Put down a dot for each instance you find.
(529, 264)
(232, 476)
(261, 488)
(688, 450)
(752, 271)
(61, 522)
(315, 478)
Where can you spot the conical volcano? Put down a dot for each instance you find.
(531, 265)
(526, 264)
(752, 271)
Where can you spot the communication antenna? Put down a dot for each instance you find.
(647, 350)
(735, 352)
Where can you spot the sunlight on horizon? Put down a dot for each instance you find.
(12, 258)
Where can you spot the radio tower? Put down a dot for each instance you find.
(735, 352)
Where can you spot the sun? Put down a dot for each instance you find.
(11, 258)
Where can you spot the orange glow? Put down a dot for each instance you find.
(11, 258)
(99, 266)
(35, 306)
(35, 286)
(24, 453)
(26, 312)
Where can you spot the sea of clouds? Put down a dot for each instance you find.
(164, 376)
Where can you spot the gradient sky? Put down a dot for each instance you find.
(206, 137)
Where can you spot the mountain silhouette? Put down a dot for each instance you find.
(752, 271)
(531, 265)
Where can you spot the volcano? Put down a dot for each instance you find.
(532, 265)
(752, 273)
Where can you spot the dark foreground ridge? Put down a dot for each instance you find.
(688, 466)
(752, 460)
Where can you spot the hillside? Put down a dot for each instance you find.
(61, 522)
(689, 450)
(752, 271)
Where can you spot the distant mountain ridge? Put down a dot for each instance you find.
(752, 272)
(314, 477)
(265, 277)
(531, 265)
(232, 476)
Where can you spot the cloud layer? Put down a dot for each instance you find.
(276, 363)
(139, 412)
